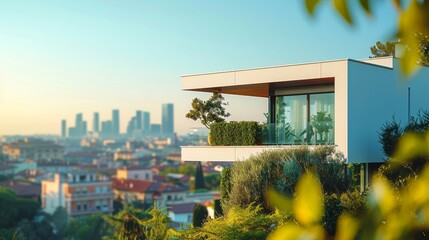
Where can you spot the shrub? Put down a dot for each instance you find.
(225, 183)
(199, 216)
(239, 223)
(250, 179)
(218, 208)
(235, 133)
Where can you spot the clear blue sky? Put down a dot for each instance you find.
(58, 58)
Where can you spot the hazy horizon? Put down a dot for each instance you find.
(61, 58)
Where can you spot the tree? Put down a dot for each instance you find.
(199, 177)
(218, 212)
(383, 49)
(209, 111)
(14, 209)
(59, 221)
(413, 20)
(225, 184)
(199, 215)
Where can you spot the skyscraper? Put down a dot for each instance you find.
(106, 129)
(138, 120)
(63, 128)
(146, 122)
(96, 123)
(167, 119)
(77, 132)
(115, 123)
(84, 129)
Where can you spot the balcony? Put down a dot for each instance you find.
(89, 196)
(92, 210)
(238, 141)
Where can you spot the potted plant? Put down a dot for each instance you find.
(209, 111)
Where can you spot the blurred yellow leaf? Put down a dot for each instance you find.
(290, 231)
(308, 204)
(412, 21)
(347, 227)
(382, 195)
(310, 5)
(365, 6)
(343, 9)
(411, 145)
(279, 201)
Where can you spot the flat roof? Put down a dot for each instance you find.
(257, 82)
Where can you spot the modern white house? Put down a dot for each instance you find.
(347, 101)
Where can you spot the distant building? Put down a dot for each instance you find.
(155, 129)
(107, 129)
(80, 193)
(33, 149)
(23, 189)
(135, 173)
(63, 128)
(96, 123)
(130, 190)
(182, 213)
(132, 127)
(167, 119)
(80, 128)
(115, 123)
(146, 122)
(139, 119)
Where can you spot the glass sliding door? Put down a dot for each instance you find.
(291, 118)
(302, 119)
(322, 117)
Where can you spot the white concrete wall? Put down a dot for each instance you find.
(375, 95)
(52, 195)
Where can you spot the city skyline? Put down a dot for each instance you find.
(141, 121)
(130, 56)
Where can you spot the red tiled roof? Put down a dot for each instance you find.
(135, 168)
(137, 185)
(132, 185)
(22, 189)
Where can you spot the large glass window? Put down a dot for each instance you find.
(291, 118)
(307, 118)
(322, 117)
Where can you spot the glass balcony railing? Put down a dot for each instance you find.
(312, 133)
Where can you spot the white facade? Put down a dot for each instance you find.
(367, 94)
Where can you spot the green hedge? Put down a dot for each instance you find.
(243, 133)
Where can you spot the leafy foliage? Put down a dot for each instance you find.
(390, 135)
(210, 111)
(14, 209)
(89, 227)
(383, 49)
(250, 179)
(243, 133)
(199, 177)
(225, 184)
(413, 22)
(239, 223)
(199, 215)
(218, 208)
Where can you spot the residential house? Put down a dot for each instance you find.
(34, 149)
(23, 189)
(144, 191)
(342, 103)
(80, 193)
